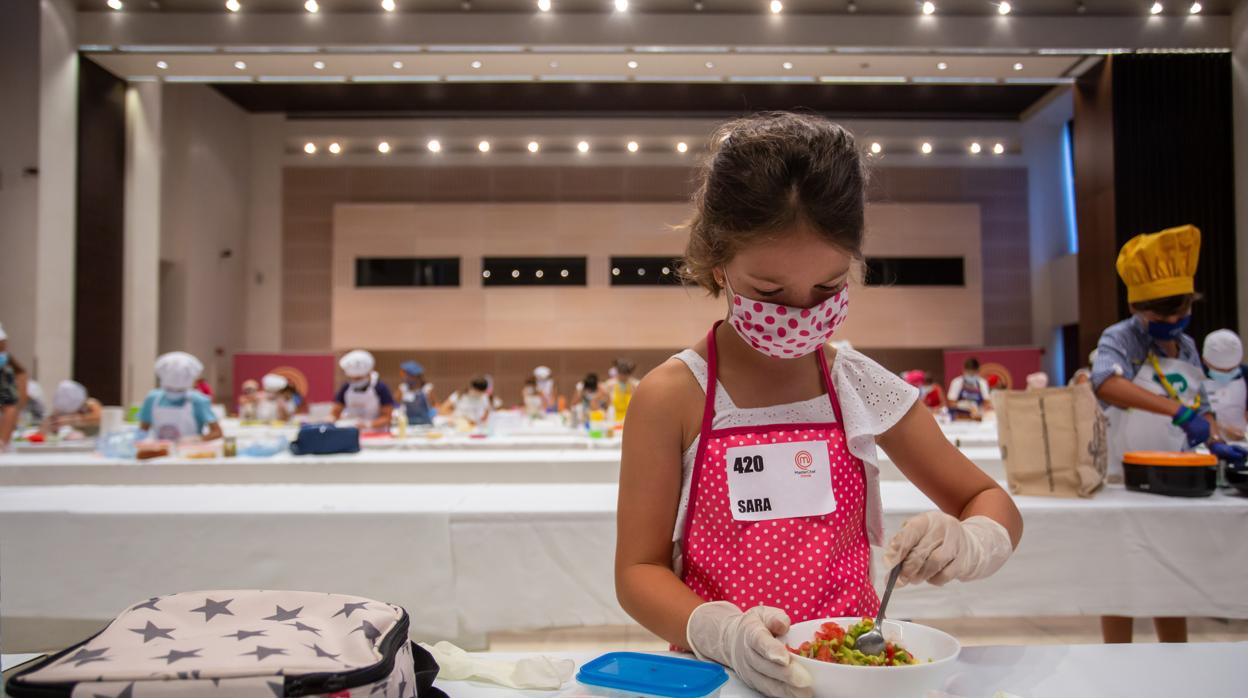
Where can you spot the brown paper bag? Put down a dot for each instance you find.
(1053, 441)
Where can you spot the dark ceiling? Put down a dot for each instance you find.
(691, 100)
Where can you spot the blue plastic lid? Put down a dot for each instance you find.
(654, 674)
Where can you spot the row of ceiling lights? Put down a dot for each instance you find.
(776, 6)
(583, 147)
(477, 65)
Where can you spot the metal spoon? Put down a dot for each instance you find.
(872, 641)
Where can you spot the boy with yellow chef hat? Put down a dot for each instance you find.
(1148, 374)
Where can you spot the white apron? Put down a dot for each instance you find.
(362, 404)
(1228, 402)
(170, 423)
(266, 409)
(1138, 430)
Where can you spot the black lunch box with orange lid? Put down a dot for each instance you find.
(1173, 474)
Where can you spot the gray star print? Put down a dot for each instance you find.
(151, 632)
(244, 634)
(370, 631)
(321, 653)
(381, 688)
(305, 628)
(283, 614)
(150, 604)
(175, 655)
(348, 609)
(262, 652)
(403, 688)
(86, 656)
(214, 608)
(278, 688)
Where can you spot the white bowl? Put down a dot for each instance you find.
(846, 681)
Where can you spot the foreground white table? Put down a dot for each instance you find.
(599, 464)
(470, 559)
(1036, 671)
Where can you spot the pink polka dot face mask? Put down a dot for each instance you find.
(783, 331)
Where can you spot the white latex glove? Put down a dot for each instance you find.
(747, 644)
(537, 673)
(938, 548)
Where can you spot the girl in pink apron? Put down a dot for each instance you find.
(735, 520)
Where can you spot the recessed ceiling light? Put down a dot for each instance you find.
(710, 65)
(311, 6)
(383, 147)
(641, 271)
(162, 65)
(484, 146)
(334, 148)
(632, 65)
(539, 273)
(309, 148)
(434, 146)
(476, 65)
(633, 147)
(776, 7)
(115, 4)
(621, 5)
(583, 146)
(929, 8)
(397, 65)
(485, 274)
(388, 5)
(1156, 8)
(666, 271)
(615, 271)
(1080, 7)
(787, 65)
(852, 7)
(1195, 8)
(233, 5)
(515, 273)
(682, 147)
(543, 5)
(240, 65)
(319, 65)
(1018, 66)
(927, 148)
(534, 146)
(466, 5)
(975, 148)
(554, 64)
(563, 273)
(876, 148)
(1004, 8)
(942, 66)
(998, 149)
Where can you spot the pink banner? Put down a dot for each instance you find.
(1003, 367)
(311, 374)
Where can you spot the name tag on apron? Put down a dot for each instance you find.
(780, 481)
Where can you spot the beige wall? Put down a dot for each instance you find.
(599, 316)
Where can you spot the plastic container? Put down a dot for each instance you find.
(1171, 474)
(936, 651)
(636, 675)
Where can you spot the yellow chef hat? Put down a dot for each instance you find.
(1159, 265)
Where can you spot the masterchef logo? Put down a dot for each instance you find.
(803, 460)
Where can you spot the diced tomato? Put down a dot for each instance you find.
(890, 652)
(825, 654)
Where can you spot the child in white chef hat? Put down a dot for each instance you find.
(73, 407)
(175, 411)
(1227, 387)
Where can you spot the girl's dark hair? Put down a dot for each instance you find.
(1170, 305)
(766, 172)
(480, 383)
(591, 381)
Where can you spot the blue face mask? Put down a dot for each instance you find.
(1168, 330)
(1223, 377)
(4, 359)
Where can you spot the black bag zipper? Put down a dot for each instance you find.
(307, 684)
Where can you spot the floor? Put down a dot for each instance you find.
(1075, 630)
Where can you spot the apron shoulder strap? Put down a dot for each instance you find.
(828, 383)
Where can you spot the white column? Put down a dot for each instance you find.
(263, 254)
(55, 246)
(1239, 94)
(142, 254)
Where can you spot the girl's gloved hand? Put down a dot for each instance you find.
(747, 644)
(938, 548)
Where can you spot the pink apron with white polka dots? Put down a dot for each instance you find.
(811, 567)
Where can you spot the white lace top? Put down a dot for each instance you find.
(872, 400)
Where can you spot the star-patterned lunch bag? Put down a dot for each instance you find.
(241, 644)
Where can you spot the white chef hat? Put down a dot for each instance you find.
(357, 363)
(1038, 380)
(541, 372)
(69, 398)
(1223, 349)
(178, 370)
(274, 383)
(34, 391)
(3, 334)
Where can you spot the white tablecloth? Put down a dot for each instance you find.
(372, 466)
(1036, 671)
(468, 559)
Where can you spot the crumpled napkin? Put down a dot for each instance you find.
(537, 673)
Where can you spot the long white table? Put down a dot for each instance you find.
(471, 559)
(400, 466)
